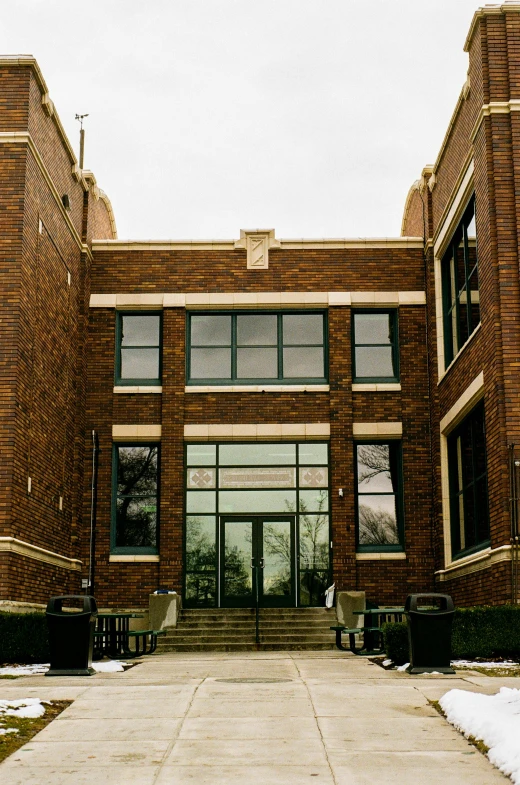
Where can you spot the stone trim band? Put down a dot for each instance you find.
(257, 299)
(253, 432)
(12, 545)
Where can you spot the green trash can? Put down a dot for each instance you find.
(429, 632)
(71, 635)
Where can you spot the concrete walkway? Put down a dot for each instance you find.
(281, 717)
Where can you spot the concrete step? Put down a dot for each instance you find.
(282, 646)
(233, 629)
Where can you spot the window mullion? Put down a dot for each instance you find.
(280, 346)
(467, 273)
(233, 347)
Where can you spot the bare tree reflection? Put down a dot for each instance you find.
(377, 527)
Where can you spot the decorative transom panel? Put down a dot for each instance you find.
(252, 477)
(314, 477)
(201, 478)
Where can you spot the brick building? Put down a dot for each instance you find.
(260, 414)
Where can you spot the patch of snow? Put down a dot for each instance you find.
(24, 670)
(491, 665)
(112, 666)
(3, 731)
(22, 707)
(387, 663)
(493, 719)
(403, 667)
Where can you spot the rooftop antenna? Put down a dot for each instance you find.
(80, 118)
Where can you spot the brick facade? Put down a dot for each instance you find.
(57, 383)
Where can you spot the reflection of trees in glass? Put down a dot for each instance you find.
(314, 535)
(277, 544)
(377, 480)
(377, 527)
(314, 550)
(200, 561)
(136, 516)
(373, 460)
(237, 577)
(200, 545)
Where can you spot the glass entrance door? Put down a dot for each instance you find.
(257, 561)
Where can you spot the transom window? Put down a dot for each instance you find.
(468, 484)
(256, 347)
(460, 286)
(138, 350)
(375, 346)
(378, 497)
(135, 498)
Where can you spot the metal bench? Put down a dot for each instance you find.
(370, 639)
(142, 644)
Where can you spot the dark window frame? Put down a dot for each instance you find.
(124, 549)
(131, 381)
(234, 380)
(468, 488)
(448, 306)
(394, 326)
(394, 444)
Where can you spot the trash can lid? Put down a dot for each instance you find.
(55, 604)
(444, 602)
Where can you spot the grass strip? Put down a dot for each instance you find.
(26, 727)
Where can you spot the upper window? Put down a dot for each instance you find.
(375, 346)
(266, 348)
(460, 286)
(468, 484)
(135, 498)
(138, 350)
(378, 497)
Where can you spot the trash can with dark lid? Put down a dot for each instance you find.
(430, 617)
(71, 634)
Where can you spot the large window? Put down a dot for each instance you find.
(460, 286)
(138, 349)
(375, 346)
(236, 480)
(378, 497)
(468, 484)
(135, 498)
(247, 348)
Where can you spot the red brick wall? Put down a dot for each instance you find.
(43, 323)
(226, 271)
(494, 76)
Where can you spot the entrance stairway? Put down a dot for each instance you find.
(233, 629)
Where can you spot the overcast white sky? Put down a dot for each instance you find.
(312, 117)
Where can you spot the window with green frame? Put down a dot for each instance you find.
(379, 507)
(460, 286)
(135, 498)
(260, 347)
(375, 346)
(138, 348)
(467, 468)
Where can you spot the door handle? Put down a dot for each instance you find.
(262, 564)
(252, 562)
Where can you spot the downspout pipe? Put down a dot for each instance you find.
(93, 496)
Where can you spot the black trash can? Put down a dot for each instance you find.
(429, 632)
(71, 635)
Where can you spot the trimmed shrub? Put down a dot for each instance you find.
(395, 636)
(484, 631)
(23, 638)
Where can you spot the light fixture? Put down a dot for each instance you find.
(340, 493)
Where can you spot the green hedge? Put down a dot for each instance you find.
(484, 631)
(23, 638)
